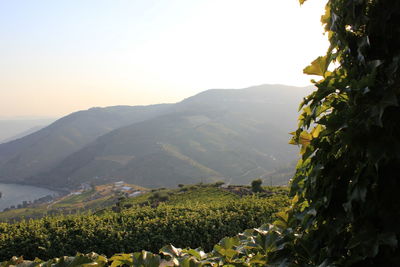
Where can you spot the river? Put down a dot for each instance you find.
(14, 194)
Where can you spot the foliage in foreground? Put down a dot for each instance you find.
(346, 185)
(245, 249)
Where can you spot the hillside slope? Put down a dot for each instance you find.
(231, 135)
(37, 152)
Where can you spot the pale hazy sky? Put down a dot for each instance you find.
(60, 56)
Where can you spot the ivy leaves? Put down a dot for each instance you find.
(344, 175)
(318, 67)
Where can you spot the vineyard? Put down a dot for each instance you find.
(181, 221)
(245, 249)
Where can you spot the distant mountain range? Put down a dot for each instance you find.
(234, 135)
(23, 133)
(14, 128)
(38, 152)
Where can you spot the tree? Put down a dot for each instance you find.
(256, 186)
(346, 185)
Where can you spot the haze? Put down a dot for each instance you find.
(61, 56)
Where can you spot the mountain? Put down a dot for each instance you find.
(232, 135)
(22, 134)
(14, 128)
(44, 149)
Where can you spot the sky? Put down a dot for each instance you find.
(61, 56)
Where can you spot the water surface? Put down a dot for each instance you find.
(14, 194)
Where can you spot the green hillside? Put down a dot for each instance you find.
(229, 135)
(36, 153)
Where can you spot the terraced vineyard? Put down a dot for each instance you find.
(88, 199)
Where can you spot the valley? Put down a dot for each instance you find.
(230, 135)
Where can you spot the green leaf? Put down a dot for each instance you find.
(121, 259)
(229, 242)
(305, 138)
(317, 130)
(317, 67)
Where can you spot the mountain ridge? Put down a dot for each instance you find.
(63, 137)
(218, 134)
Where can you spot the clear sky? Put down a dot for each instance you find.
(60, 56)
